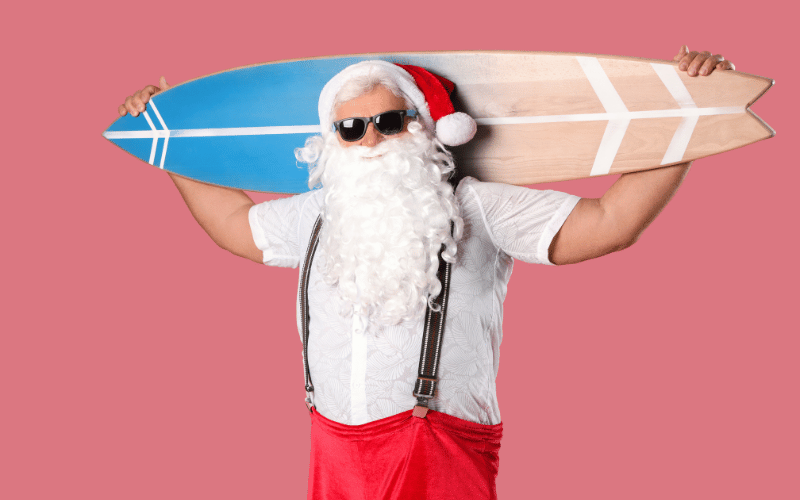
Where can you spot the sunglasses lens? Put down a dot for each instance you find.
(389, 123)
(352, 129)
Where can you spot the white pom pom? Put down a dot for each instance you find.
(456, 129)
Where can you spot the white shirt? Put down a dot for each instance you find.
(359, 378)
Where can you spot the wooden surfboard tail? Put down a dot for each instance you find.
(621, 115)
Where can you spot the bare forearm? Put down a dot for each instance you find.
(222, 213)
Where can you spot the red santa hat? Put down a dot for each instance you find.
(428, 93)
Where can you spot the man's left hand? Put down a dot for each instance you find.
(700, 63)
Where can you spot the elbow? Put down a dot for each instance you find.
(620, 239)
(220, 241)
(626, 240)
(624, 245)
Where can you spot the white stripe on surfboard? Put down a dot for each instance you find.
(509, 120)
(155, 139)
(166, 138)
(612, 138)
(601, 85)
(680, 141)
(594, 117)
(158, 115)
(214, 132)
(683, 134)
(670, 78)
(164, 153)
(612, 103)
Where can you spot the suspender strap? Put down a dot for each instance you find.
(425, 386)
(303, 297)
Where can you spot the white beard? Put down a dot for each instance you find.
(387, 213)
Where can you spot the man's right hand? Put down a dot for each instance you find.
(137, 102)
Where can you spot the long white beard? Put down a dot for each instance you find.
(387, 213)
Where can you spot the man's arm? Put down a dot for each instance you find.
(222, 212)
(615, 221)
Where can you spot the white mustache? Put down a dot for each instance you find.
(369, 153)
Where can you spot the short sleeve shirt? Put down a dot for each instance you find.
(360, 377)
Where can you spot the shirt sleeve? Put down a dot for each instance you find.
(522, 222)
(276, 228)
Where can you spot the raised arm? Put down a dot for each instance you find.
(222, 212)
(599, 226)
(615, 221)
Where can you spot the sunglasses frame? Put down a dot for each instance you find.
(366, 120)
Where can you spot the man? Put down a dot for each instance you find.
(381, 219)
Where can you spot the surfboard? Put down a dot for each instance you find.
(541, 117)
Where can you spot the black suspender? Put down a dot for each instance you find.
(425, 387)
(303, 297)
(427, 374)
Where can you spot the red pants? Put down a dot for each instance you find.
(403, 457)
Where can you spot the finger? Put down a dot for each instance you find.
(121, 110)
(130, 106)
(686, 60)
(684, 50)
(138, 104)
(726, 65)
(146, 92)
(708, 67)
(697, 63)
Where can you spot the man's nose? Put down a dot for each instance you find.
(372, 137)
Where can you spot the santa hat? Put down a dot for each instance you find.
(428, 93)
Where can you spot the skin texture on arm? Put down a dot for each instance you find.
(599, 226)
(614, 222)
(222, 212)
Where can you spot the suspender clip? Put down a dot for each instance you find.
(421, 409)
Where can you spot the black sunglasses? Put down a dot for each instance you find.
(387, 123)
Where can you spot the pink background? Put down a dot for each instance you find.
(138, 360)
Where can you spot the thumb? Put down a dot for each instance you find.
(684, 50)
(162, 82)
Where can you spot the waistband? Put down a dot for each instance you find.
(388, 425)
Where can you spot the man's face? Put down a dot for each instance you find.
(378, 101)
